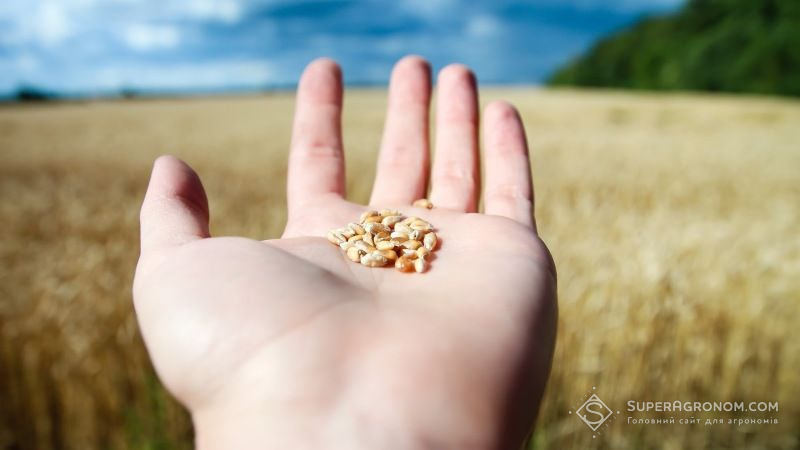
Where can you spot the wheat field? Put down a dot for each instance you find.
(673, 221)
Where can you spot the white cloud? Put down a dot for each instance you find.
(47, 23)
(227, 11)
(483, 26)
(51, 24)
(143, 37)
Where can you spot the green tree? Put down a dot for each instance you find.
(710, 45)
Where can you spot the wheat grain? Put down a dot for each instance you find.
(430, 240)
(412, 244)
(353, 254)
(384, 245)
(335, 237)
(402, 228)
(423, 203)
(399, 236)
(364, 247)
(386, 235)
(389, 212)
(367, 214)
(369, 239)
(421, 225)
(403, 264)
(389, 221)
(374, 259)
(390, 254)
(376, 227)
(357, 228)
(409, 253)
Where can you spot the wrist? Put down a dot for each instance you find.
(224, 429)
(229, 428)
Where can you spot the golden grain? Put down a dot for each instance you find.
(420, 225)
(373, 243)
(384, 245)
(376, 227)
(390, 221)
(423, 203)
(354, 254)
(335, 237)
(367, 214)
(423, 252)
(430, 240)
(389, 212)
(374, 259)
(369, 239)
(399, 236)
(403, 264)
(364, 246)
(409, 253)
(357, 228)
(389, 254)
(402, 228)
(411, 244)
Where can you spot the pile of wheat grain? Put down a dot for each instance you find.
(386, 236)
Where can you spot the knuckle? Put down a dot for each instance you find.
(509, 191)
(322, 151)
(404, 156)
(457, 173)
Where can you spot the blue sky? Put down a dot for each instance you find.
(101, 46)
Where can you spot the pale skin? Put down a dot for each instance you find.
(285, 343)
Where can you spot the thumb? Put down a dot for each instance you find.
(175, 207)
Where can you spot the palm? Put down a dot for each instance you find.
(232, 322)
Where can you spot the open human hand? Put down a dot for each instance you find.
(286, 343)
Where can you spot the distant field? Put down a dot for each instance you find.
(673, 220)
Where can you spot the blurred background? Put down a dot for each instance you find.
(665, 148)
